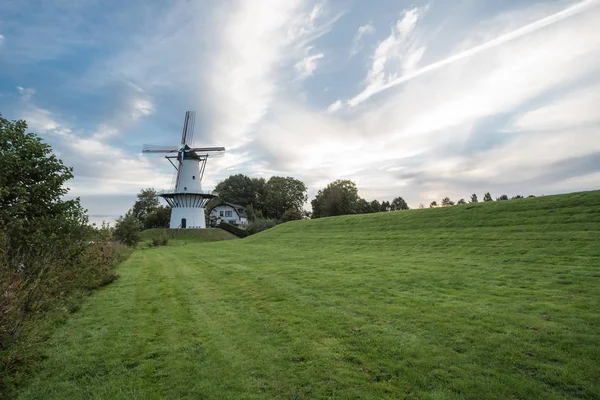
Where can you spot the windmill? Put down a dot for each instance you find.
(186, 198)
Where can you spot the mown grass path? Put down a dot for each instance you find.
(480, 301)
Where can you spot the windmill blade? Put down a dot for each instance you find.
(149, 148)
(207, 149)
(188, 127)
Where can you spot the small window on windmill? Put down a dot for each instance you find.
(193, 176)
(228, 213)
(221, 213)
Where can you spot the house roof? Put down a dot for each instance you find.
(240, 210)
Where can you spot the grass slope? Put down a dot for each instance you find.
(496, 300)
(187, 236)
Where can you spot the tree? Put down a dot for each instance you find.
(291, 214)
(461, 201)
(374, 206)
(399, 204)
(503, 197)
(282, 194)
(340, 197)
(32, 182)
(127, 229)
(474, 198)
(446, 202)
(433, 204)
(385, 206)
(362, 206)
(159, 218)
(147, 202)
(237, 189)
(487, 197)
(516, 197)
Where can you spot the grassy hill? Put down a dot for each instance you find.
(187, 236)
(495, 300)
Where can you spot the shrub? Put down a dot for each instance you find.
(127, 229)
(260, 224)
(239, 232)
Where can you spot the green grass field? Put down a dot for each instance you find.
(481, 301)
(186, 236)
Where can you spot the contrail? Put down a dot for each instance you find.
(549, 20)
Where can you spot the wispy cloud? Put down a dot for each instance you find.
(360, 32)
(398, 53)
(308, 64)
(576, 9)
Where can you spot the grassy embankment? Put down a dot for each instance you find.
(186, 236)
(496, 300)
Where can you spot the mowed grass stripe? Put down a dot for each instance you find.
(478, 301)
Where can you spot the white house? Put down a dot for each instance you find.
(230, 213)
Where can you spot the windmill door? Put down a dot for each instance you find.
(183, 223)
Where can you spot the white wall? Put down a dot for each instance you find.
(189, 177)
(194, 217)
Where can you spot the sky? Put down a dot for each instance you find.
(419, 99)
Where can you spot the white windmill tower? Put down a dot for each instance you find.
(186, 198)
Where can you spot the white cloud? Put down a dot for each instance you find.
(245, 72)
(336, 105)
(379, 85)
(578, 108)
(308, 64)
(1, 40)
(25, 93)
(360, 32)
(428, 137)
(399, 53)
(141, 108)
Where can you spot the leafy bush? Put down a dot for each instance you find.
(127, 229)
(48, 252)
(239, 232)
(161, 240)
(260, 224)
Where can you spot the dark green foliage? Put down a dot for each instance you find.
(49, 256)
(149, 212)
(433, 204)
(338, 198)
(283, 194)
(127, 229)
(375, 206)
(446, 202)
(159, 240)
(461, 201)
(487, 197)
(260, 224)
(473, 199)
(158, 218)
(503, 197)
(239, 232)
(240, 189)
(146, 203)
(399, 204)
(517, 197)
(32, 210)
(386, 206)
(291, 215)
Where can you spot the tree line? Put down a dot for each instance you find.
(446, 202)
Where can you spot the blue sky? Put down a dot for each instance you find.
(415, 99)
